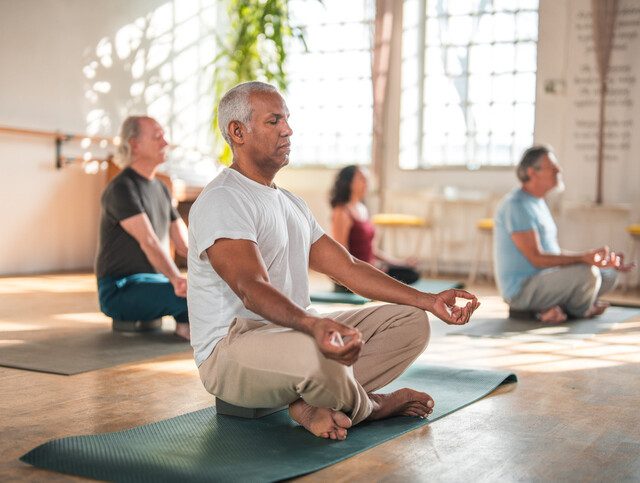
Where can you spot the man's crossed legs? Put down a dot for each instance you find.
(143, 296)
(555, 293)
(265, 365)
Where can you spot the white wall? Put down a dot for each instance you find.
(145, 58)
(566, 58)
(50, 216)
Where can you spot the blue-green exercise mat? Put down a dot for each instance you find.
(534, 330)
(204, 446)
(424, 284)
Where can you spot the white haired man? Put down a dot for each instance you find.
(257, 343)
(534, 275)
(137, 279)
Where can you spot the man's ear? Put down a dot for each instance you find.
(236, 132)
(133, 144)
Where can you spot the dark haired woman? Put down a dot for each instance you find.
(352, 227)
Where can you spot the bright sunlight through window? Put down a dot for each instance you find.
(330, 95)
(468, 82)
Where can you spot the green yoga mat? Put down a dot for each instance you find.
(424, 284)
(85, 348)
(534, 330)
(204, 446)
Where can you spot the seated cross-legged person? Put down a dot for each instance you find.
(534, 275)
(137, 279)
(257, 342)
(353, 229)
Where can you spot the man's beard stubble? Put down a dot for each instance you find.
(560, 186)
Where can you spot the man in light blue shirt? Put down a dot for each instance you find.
(533, 273)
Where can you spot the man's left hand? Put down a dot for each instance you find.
(611, 259)
(444, 306)
(619, 265)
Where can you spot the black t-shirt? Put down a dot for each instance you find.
(129, 194)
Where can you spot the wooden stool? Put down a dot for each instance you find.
(223, 407)
(484, 241)
(136, 325)
(403, 221)
(634, 232)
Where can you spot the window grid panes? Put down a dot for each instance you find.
(475, 88)
(330, 95)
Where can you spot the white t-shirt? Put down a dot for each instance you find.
(282, 226)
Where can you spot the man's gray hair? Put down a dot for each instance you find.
(532, 158)
(236, 106)
(130, 130)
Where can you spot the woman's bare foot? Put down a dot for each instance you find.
(597, 308)
(403, 402)
(322, 422)
(182, 330)
(554, 315)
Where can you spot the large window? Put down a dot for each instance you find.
(330, 95)
(468, 82)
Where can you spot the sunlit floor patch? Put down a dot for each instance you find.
(19, 327)
(182, 366)
(565, 364)
(87, 317)
(11, 342)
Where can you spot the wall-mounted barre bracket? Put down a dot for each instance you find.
(60, 140)
(107, 145)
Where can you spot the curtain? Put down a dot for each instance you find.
(603, 13)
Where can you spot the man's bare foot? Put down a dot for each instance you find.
(554, 315)
(322, 422)
(182, 330)
(596, 309)
(403, 402)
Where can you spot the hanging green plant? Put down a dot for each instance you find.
(255, 49)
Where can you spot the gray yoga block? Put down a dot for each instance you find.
(522, 314)
(227, 409)
(136, 325)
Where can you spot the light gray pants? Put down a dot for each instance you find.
(573, 287)
(262, 365)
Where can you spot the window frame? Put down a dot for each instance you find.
(365, 78)
(421, 71)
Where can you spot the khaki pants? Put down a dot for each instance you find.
(265, 365)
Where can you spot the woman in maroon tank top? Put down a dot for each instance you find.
(352, 227)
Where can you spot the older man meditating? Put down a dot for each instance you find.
(257, 343)
(533, 273)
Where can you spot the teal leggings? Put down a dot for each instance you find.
(141, 296)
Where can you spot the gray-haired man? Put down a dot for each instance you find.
(137, 279)
(256, 341)
(534, 274)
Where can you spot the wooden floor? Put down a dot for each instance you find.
(573, 416)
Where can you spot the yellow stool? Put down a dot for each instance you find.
(401, 220)
(634, 231)
(483, 246)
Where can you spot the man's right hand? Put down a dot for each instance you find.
(337, 341)
(600, 257)
(180, 286)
